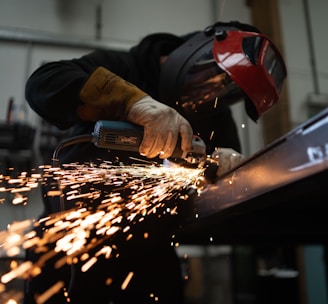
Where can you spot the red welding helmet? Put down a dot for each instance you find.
(227, 62)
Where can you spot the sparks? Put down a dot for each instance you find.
(101, 200)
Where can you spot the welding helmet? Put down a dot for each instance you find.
(227, 62)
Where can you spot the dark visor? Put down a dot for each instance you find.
(205, 84)
(274, 67)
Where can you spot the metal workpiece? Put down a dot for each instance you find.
(275, 193)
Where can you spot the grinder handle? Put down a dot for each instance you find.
(125, 136)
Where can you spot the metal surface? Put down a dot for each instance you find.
(278, 194)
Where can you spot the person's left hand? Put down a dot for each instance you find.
(227, 159)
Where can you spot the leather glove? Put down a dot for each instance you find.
(105, 95)
(162, 127)
(227, 159)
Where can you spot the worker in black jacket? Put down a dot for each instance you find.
(173, 87)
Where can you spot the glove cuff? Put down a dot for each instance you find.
(108, 96)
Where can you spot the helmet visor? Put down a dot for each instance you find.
(274, 66)
(205, 84)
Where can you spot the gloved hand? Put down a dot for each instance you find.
(227, 159)
(105, 95)
(162, 127)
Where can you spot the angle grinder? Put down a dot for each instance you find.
(125, 136)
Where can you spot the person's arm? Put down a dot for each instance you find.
(65, 93)
(52, 91)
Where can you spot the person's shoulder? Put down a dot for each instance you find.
(160, 37)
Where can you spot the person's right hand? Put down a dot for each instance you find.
(162, 127)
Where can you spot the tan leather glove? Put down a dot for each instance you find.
(108, 96)
(227, 159)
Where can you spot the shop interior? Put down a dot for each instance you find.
(261, 240)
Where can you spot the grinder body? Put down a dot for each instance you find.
(121, 135)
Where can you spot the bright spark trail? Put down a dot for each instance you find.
(97, 202)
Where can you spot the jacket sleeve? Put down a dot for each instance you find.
(53, 90)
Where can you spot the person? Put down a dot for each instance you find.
(174, 87)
